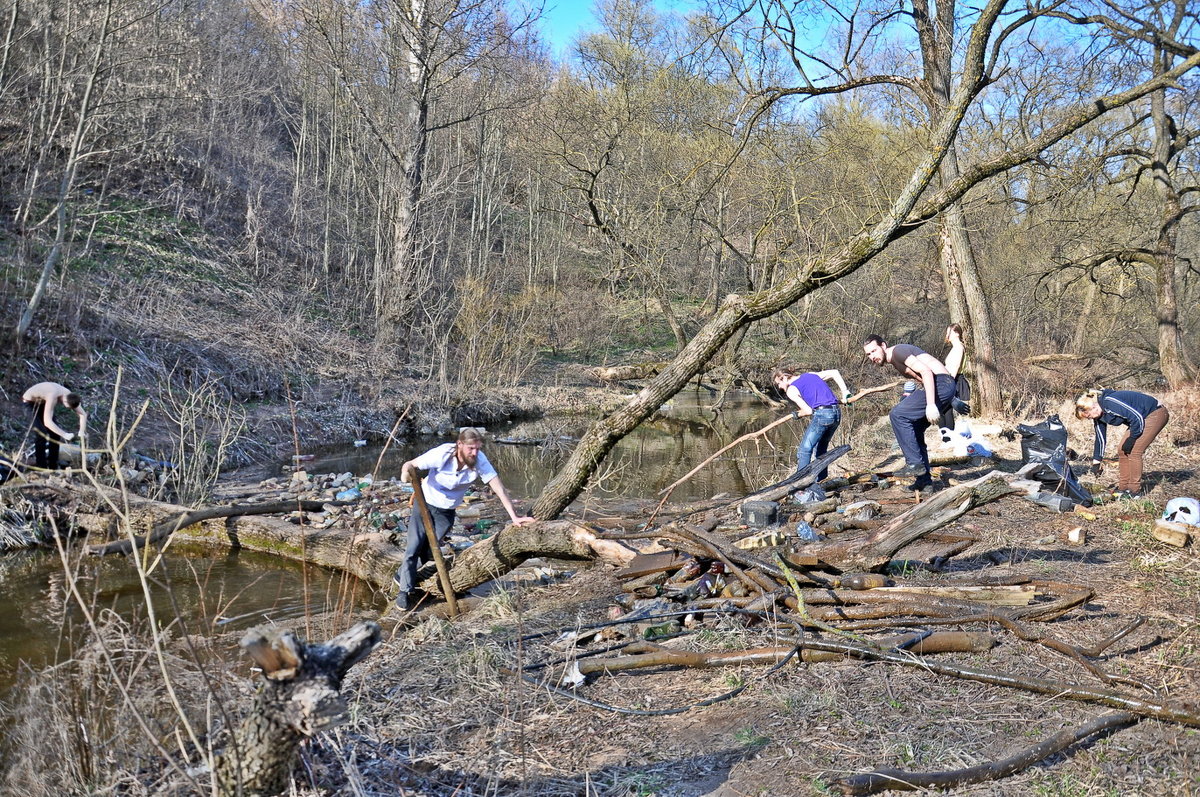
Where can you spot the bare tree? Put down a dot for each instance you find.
(398, 62)
(77, 151)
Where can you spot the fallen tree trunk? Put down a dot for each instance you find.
(619, 373)
(874, 549)
(364, 553)
(502, 552)
(643, 655)
(166, 528)
(801, 478)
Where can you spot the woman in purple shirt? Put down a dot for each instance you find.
(812, 397)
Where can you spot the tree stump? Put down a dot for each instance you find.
(300, 696)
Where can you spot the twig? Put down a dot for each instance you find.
(391, 436)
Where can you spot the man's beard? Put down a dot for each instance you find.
(468, 459)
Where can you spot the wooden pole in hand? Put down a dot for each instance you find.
(434, 547)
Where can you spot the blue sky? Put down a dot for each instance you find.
(564, 20)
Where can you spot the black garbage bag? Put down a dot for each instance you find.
(1046, 444)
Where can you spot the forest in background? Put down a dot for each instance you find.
(417, 190)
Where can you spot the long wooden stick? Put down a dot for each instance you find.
(666, 491)
(904, 780)
(434, 546)
(870, 390)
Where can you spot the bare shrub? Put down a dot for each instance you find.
(488, 356)
(79, 726)
(206, 424)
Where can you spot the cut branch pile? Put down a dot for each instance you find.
(837, 598)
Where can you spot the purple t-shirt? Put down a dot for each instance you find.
(814, 391)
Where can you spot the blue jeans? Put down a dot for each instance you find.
(821, 426)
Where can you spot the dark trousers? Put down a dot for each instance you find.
(417, 550)
(909, 422)
(45, 442)
(1129, 466)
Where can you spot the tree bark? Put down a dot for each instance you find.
(507, 550)
(965, 294)
(300, 696)
(1173, 359)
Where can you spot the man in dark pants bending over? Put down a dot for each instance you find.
(44, 397)
(915, 412)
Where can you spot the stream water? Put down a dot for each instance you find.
(685, 433)
(206, 592)
(197, 590)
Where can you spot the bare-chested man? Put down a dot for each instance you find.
(915, 412)
(45, 396)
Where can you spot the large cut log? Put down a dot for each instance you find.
(873, 550)
(619, 373)
(300, 696)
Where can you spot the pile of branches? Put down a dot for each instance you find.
(832, 600)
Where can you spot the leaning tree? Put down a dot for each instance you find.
(995, 29)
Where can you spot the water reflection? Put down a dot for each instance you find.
(198, 590)
(646, 461)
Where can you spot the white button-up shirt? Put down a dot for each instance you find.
(446, 483)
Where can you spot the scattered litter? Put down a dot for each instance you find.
(862, 510)
(763, 539)
(1182, 510)
(572, 676)
(760, 513)
(812, 495)
(807, 533)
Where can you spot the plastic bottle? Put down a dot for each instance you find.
(806, 532)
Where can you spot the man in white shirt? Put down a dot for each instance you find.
(451, 469)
